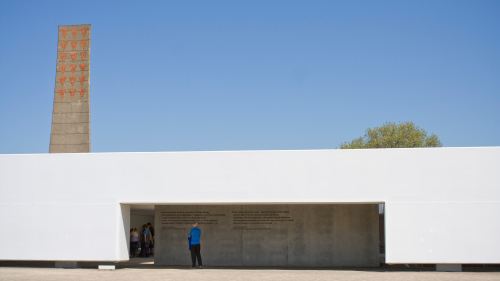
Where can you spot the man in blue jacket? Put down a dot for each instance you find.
(195, 234)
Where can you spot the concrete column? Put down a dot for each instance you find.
(449, 267)
(70, 131)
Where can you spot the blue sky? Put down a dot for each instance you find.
(235, 75)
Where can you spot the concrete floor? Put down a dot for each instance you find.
(144, 269)
(35, 274)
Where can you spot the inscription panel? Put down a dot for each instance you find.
(270, 235)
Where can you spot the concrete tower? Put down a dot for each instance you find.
(71, 114)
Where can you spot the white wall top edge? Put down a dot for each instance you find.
(309, 176)
(250, 151)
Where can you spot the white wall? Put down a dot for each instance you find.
(441, 232)
(59, 231)
(123, 232)
(72, 200)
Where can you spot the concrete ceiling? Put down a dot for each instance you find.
(143, 209)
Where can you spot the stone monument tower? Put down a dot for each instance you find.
(71, 114)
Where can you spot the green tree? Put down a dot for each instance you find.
(392, 135)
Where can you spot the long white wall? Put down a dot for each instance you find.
(442, 204)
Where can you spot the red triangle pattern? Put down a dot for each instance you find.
(83, 43)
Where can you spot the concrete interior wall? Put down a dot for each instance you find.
(270, 235)
(137, 220)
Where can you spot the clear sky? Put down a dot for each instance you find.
(248, 75)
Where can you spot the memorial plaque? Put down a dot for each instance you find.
(270, 235)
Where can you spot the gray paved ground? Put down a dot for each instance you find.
(35, 274)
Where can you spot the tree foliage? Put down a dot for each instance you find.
(392, 135)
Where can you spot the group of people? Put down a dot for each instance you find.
(144, 241)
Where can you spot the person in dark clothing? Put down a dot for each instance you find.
(152, 244)
(144, 242)
(195, 234)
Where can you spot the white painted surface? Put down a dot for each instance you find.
(106, 267)
(441, 232)
(123, 232)
(67, 206)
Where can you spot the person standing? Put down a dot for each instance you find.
(149, 239)
(152, 244)
(134, 238)
(144, 242)
(195, 234)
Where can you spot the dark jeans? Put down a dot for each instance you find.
(145, 250)
(195, 253)
(133, 248)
